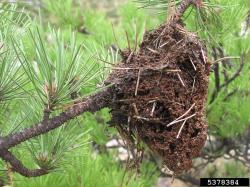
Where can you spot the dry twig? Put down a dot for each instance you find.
(179, 133)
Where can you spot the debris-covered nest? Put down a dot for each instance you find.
(160, 93)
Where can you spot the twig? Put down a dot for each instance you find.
(179, 41)
(138, 82)
(181, 80)
(152, 101)
(224, 65)
(216, 71)
(163, 44)
(182, 115)
(193, 84)
(174, 45)
(227, 82)
(153, 51)
(217, 77)
(183, 7)
(92, 103)
(178, 135)
(203, 56)
(143, 118)
(186, 112)
(46, 113)
(171, 70)
(125, 100)
(196, 57)
(150, 119)
(225, 58)
(177, 121)
(129, 57)
(193, 64)
(236, 74)
(18, 166)
(230, 94)
(153, 109)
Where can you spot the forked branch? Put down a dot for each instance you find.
(92, 103)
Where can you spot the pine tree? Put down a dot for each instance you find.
(41, 87)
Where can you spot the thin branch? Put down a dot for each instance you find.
(192, 63)
(216, 76)
(180, 120)
(138, 82)
(91, 104)
(223, 61)
(182, 115)
(236, 74)
(193, 86)
(18, 166)
(129, 57)
(182, 82)
(216, 71)
(153, 109)
(203, 56)
(46, 113)
(183, 7)
(229, 80)
(225, 58)
(230, 94)
(153, 51)
(179, 133)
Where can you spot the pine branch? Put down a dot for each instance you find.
(227, 81)
(17, 165)
(90, 104)
(184, 5)
(216, 71)
(236, 74)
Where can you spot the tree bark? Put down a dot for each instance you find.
(90, 104)
(183, 7)
(17, 166)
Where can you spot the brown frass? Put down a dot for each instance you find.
(159, 95)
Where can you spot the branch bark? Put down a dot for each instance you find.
(229, 80)
(183, 7)
(17, 165)
(235, 75)
(91, 104)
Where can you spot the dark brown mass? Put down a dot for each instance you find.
(159, 95)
